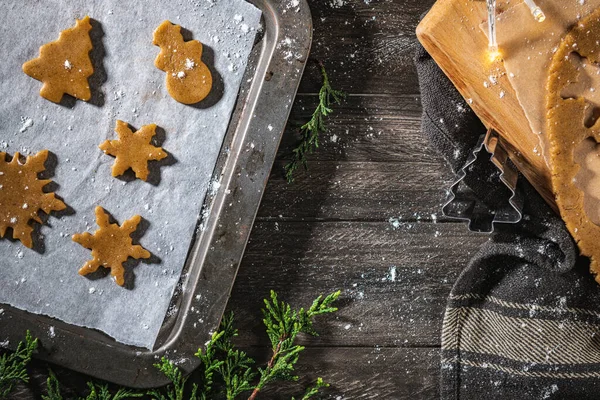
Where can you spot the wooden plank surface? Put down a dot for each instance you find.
(369, 202)
(367, 45)
(395, 281)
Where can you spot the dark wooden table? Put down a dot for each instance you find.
(369, 203)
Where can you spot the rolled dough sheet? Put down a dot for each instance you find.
(586, 155)
(527, 47)
(134, 91)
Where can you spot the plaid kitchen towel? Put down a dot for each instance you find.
(523, 318)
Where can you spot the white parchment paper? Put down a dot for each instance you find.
(47, 282)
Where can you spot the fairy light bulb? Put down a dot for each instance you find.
(537, 12)
(493, 51)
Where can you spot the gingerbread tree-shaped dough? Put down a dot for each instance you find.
(22, 195)
(111, 245)
(133, 150)
(188, 79)
(64, 66)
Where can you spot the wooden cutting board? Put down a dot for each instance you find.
(451, 34)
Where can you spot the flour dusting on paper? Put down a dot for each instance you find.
(133, 90)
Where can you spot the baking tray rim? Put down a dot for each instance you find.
(273, 79)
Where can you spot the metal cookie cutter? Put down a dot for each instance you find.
(465, 205)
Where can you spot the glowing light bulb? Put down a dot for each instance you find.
(493, 44)
(494, 53)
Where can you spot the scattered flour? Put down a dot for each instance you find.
(392, 274)
(337, 3)
(214, 187)
(26, 123)
(395, 222)
(189, 64)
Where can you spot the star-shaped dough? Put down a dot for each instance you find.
(133, 150)
(111, 245)
(22, 195)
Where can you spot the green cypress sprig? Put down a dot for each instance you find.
(97, 392)
(13, 365)
(283, 325)
(311, 130)
(314, 390)
(52, 388)
(226, 371)
(101, 392)
(177, 388)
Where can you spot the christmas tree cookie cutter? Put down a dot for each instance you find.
(463, 204)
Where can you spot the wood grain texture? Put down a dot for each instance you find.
(450, 33)
(368, 373)
(330, 190)
(373, 163)
(367, 46)
(364, 128)
(394, 281)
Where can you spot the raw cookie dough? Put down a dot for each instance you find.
(22, 195)
(133, 150)
(567, 116)
(188, 79)
(111, 245)
(527, 48)
(64, 66)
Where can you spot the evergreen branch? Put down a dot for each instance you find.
(314, 390)
(97, 392)
(52, 387)
(226, 371)
(283, 325)
(210, 363)
(177, 387)
(237, 373)
(311, 130)
(13, 365)
(234, 367)
(101, 392)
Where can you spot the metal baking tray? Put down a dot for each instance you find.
(243, 167)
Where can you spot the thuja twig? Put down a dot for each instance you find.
(311, 130)
(283, 325)
(12, 365)
(226, 372)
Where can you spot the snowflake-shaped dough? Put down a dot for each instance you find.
(133, 150)
(22, 195)
(111, 245)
